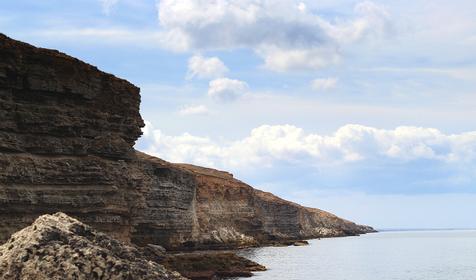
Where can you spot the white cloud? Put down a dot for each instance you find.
(323, 84)
(282, 60)
(287, 36)
(193, 110)
(225, 89)
(206, 67)
(302, 7)
(269, 145)
(107, 5)
(372, 22)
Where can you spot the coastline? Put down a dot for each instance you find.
(84, 165)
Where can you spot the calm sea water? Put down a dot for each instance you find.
(417, 255)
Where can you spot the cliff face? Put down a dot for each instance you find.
(232, 213)
(54, 104)
(67, 132)
(66, 144)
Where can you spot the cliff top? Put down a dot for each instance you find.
(7, 43)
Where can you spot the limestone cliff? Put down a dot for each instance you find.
(67, 133)
(230, 212)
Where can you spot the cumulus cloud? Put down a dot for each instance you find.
(225, 89)
(323, 84)
(107, 5)
(193, 110)
(284, 59)
(205, 67)
(287, 36)
(269, 145)
(372, 21)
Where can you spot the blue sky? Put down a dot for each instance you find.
(362, 108)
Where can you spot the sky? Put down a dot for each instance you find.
(362, 108)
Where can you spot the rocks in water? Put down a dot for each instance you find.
(211, 265)
(66, 145)
(286, 243)
(301, 243)
(60, 247)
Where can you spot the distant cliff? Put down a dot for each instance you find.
(66, 144)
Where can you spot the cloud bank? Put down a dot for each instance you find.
(286, 35)
(273, 145)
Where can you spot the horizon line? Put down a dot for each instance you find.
(422, 229)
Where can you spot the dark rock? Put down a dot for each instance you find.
(211, 265)
(154, 252)
(301, 243)
(51, 103)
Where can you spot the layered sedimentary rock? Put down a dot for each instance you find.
(232, 213)
(60, 247)
(67, 133)
(53, 104)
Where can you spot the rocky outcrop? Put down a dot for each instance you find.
(60, 247)
(66, 144)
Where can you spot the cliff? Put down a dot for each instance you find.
(230, 212)
(66, 144)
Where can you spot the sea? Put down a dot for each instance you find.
(387, 255)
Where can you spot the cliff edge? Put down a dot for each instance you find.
(66, 145)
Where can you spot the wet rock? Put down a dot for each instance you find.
(211, 265)
(301, 243)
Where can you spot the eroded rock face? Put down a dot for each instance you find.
(52, 103)
(67, 132)
(60, 247)
(142, 199)
(66, 144)
(233, 214)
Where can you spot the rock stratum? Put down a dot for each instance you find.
(67, 133)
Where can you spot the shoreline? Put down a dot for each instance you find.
(209, 263)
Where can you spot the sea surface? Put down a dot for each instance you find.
(399, 255)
